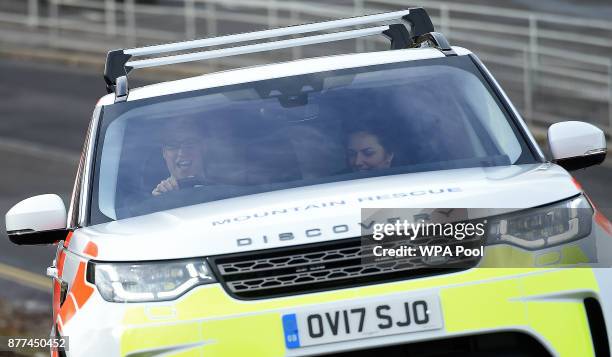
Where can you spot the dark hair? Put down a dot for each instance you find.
(173, 124)
(382, 132)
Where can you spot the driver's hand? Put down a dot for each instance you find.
(166, 185)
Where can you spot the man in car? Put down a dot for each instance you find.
(183, 150)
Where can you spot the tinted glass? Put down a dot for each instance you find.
(209, 145)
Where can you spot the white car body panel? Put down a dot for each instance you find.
(39, 213)
(574, 138)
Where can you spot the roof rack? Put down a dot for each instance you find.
(120, 62)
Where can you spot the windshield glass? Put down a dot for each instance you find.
(213, 144)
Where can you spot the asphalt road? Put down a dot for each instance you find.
(38, 115)
(44, 111)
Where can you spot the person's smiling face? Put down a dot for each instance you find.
(183, 151)
(365, 152)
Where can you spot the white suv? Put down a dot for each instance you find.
(221, 214)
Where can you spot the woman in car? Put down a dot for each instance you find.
(369, 148)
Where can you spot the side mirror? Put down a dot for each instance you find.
(575, 145)
(37, 220)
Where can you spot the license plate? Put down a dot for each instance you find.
(355, 321)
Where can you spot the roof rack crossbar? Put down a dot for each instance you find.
(120, 62)
(255, 48)
(266, 34)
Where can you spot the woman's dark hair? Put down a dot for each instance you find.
(385, 135)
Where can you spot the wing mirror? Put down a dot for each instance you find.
(37, 220)
(575, 145)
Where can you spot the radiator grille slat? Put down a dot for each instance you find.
(324, 266)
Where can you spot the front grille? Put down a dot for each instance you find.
(323, 266)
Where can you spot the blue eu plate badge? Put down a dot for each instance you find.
(292, 337)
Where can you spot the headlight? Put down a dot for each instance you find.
(543, 227)
(151, 281)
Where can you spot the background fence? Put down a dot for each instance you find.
(553, 67)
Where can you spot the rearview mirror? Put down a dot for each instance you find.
(576, 145)
(37, 220)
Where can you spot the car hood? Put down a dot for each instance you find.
(332, 211)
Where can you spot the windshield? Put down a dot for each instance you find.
(214, 144)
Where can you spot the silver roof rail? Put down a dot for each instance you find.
(119, 62)
(258, 47)
(266, 34)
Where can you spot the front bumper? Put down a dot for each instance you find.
(547, 304)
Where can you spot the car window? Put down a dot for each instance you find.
(298, 131)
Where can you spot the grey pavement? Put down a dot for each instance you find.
(46, 109)
(47, 104)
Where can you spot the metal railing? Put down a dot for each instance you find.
(554, 67)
